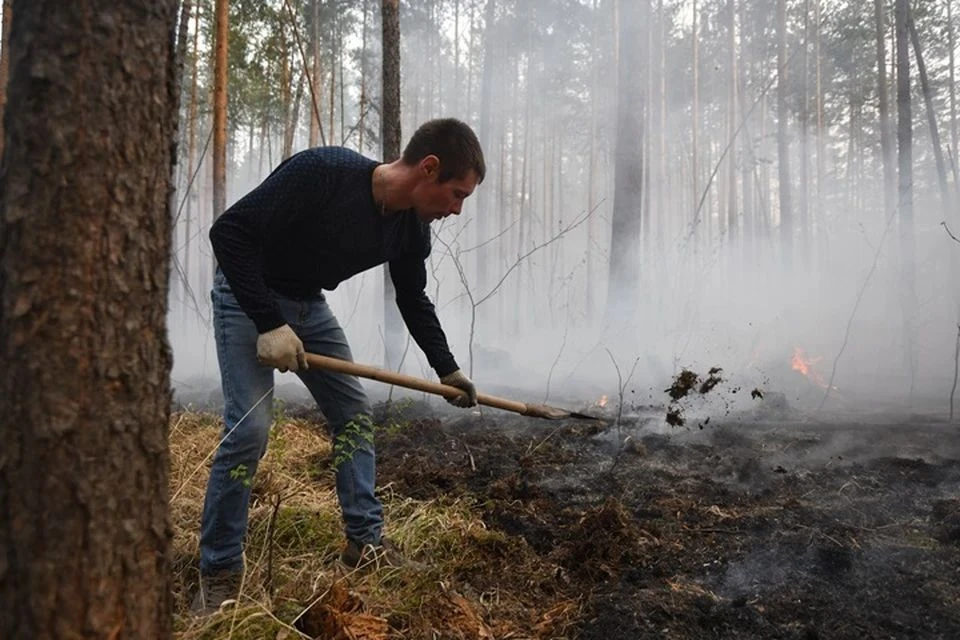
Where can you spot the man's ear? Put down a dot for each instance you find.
(430, 166)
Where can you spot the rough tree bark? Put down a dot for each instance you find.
(390, 134)
(84, 359)
(4, 63)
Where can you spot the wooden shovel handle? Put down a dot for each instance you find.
(409, 382)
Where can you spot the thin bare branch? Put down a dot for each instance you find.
(949, 233)
(546, 243)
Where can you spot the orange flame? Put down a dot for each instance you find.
(804, 365)
(602, 402)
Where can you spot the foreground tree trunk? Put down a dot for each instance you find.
(4, 63)
(390, 133)
(84, 360)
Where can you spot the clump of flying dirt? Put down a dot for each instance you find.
(685, 383)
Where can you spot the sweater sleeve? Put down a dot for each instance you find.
(409, 275)
(239, 236)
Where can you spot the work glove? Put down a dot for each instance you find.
(281, 348)
(460, 381)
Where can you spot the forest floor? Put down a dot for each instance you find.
(753, 526)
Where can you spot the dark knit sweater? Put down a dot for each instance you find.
(312, 224)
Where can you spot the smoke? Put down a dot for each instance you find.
(715, 286)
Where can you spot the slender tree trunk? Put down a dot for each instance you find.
(315, 71)
(333, 83)
(646, 215)
(905, 164)
(783, 140)
(390, 134)
(931, 121)
(220, 110)
(84, 530)
(747, 162)
(470, 59)
(592, 160)
(286, 74)
(732, 127)
(363, 78)
(821, 144)
(456, 56)
(951, 46)
(294, 117)
(695, 146)
(343, 110)
(886, 136)
(190, 188)
(805, 138)
(485, 226)
(626, 233)
(664, 179)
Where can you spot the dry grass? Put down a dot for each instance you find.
(292, 583)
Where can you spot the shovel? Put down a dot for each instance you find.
(419, 384)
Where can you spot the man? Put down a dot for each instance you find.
(322, 216)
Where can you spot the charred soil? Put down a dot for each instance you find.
(742, 529)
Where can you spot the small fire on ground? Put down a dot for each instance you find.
(602, 402)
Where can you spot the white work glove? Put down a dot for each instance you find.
(281, 348)
(460, 381)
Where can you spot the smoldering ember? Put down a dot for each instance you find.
(480, 319)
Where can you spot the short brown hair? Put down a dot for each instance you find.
(453, 142)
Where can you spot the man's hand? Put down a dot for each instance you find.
(460, 381)
(281, 348)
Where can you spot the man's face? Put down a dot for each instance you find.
(435, 200)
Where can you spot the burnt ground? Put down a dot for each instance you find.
(739, 529)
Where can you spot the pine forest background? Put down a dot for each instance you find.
(735, 183)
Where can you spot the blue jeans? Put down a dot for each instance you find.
(248, 399)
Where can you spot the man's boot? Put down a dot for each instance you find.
(215, 589)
